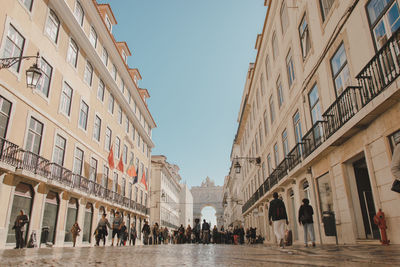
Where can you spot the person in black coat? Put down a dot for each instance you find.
(277, 214)
(19, 227)
(306, 219)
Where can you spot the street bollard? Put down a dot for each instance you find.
(379, 219)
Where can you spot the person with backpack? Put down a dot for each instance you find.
(277, 216)
(306, 219)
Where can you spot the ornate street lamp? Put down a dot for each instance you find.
(238, 167)
(33, 74)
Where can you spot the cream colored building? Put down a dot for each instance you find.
(171, 201)
(321, 108)
(55, 138)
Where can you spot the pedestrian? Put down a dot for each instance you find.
(19, 227)
(181, 234)
(306, 219)
(123, 234)
(197, 230)
(277, 216)
(236, 235)
(395, 167)
(241, 235)
(166, 235)
(75, 232)
(146, 233)
(116, 228)
(206, 232)
(189, 234)
(133, 235)
(101, 230)
(215, 234)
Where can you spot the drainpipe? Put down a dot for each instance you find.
(309, 171)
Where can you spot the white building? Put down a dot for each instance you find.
(167, 194)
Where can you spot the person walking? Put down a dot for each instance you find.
(189, 234)
(277, 216)
(133, 235)
(101, 230)
(166, 235)
(306, 219)
(241, 235)
(155, 233)
(19, 227)
(206, 232)
(75, 232)
(116, 228)
(146, 233)
(123, 232)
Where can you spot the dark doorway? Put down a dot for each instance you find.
(366, 199)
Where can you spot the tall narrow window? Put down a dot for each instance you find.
(290, 68)
(279, 90)
(274, 46)
(114, 72)
(104, 182)
(271, 109)
(72, 56)
(97, 128)
(66, 99)
(269, 163)
(59, 150)
(34, 139)
(304, 37)
(122, 86)
(108, 23)
(52, 26)
(14, 46)
(104, 56)
(340, 70)
(78, 161)
(284, 18)
(115, 182)
(265, 123)
(125, 154)
(107, 139)
(83, 115)
(297, 127)
(276, 155)
(5, 110)
(285, 143)
(79, 13)
(93, 169)
(111, 104)
(117, 146)
(27, 4)
(93, 36)
(123, 184)
(315, 106)
(88, 75)
(384, 19)
(326, 6)
(119, 115)
(44, 82)
(100, 91)
(126, 124)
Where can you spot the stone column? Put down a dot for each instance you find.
(61, 219)
(39, 201)
(81, 219)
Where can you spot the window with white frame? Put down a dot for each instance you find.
(14, 46)
(114, 72)
(133, 132)
(265, 123)
(93, 169)
(93, 36)
(52, 26)
(100, 91)
(279, 90)
(384, 17)
(34, 138)
(315, 106)
(117, 146)
(326, 6)
(5, 110)
(104, 56)
(83, 115)
(108, 23)
(44, 82)
(27, 3)
(78, 161)
(119, 114)
(107, 139)
(284, 18)
(124, 56)
(271, 110)
(59, 150)
(72, 55)
(340, 70)
(79, 13)
(115, 182)
(276, 155)
(122, 85)
(111, 104)
(66, 99)
(285, 143)
(125, 154)
(88, 75)
(274, 46)
(269, 164)
(123, 184)
(97, 128)
(304, 34)
(297, 127)
(126, 124)
(104, 181)
(290, 68)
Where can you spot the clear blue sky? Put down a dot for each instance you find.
(193, 57)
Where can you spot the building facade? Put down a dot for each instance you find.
(56, 138)
(186, 206)
(321, 109)
(169, 199)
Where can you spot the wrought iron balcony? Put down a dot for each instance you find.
(381, 71)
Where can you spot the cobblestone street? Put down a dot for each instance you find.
(204, 255)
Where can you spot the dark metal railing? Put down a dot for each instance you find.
(313, 138)
(8, 152)
(294, 156)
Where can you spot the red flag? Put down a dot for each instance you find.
(120, 164)
(143, 181)
(111, 158)
(131, 169)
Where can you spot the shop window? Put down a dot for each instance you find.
(72, 216)
(87, 226)
(50, 214)
(325, 193)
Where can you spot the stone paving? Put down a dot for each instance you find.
(204, 255)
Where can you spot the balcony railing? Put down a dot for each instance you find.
(21, 159)
(373, 79)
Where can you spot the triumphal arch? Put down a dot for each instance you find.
(208, 194)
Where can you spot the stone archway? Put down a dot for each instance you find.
(208, 194)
